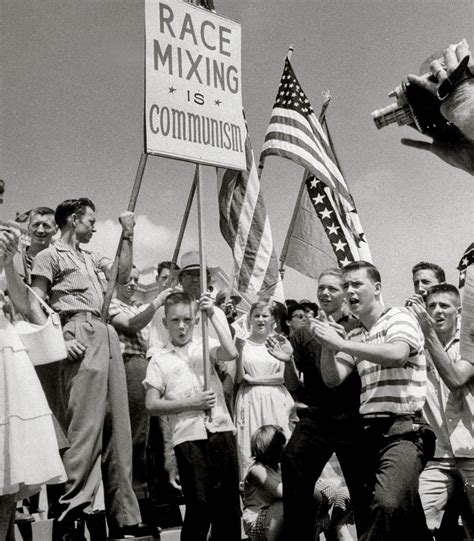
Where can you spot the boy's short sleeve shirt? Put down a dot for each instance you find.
(450, 413)
(391, 390)
(177, 373)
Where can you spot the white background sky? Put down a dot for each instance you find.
(72, 104)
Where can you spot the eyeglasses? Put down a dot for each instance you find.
(299, 316)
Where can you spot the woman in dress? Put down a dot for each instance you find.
(262, 397)
(30, 455)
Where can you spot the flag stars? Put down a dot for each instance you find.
(344, 262)
(332, 229)
(326, 213)
(339, 246)
(319, 200)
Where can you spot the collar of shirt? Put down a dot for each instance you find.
(453, 340)
(364, 328)
(170, 347)
(63, 247)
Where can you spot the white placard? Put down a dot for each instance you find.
(193, 85)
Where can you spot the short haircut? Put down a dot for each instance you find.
(166, 265)
(179, 298)
(437, 270)
(41, 211)
(370, 269)
(262, 304)
(71, 206)
(267, 443)
(444, 288)
(333, 271)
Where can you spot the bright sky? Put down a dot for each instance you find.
(72, 109)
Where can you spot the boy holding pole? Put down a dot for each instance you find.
(204, 444)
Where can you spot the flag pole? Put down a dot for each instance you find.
(289, 54)
(326, 129)
(182, 228)
(203, 277)
(306, 175)
(131, 208)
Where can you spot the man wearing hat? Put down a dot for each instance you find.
(190, 280)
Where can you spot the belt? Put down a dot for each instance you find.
(378, 416)
(370, 416)
(79, 316)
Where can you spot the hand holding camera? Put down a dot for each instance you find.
(438, 103)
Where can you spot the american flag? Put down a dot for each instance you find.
(466, 260)
(245, 226)
(296, 134)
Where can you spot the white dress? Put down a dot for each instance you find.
(29, 448)
(258, 405)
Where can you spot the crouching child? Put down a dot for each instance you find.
(202, 429)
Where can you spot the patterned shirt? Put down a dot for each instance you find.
(178, 373)
(132, 343)
(391, 390)
(76, 283)
(450, 413)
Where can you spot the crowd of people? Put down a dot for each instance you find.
(249, 435)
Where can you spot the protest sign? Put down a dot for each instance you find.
(193, 85)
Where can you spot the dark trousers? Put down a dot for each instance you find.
(135, 370)
(397, 450)
(315, 438)
(210, 481)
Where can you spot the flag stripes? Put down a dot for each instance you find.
(246, 228)
(295, 133)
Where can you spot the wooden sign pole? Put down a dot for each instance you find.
(203, 277)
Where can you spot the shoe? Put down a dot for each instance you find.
(137, 530)
(68, 531)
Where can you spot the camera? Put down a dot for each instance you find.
(418, 108)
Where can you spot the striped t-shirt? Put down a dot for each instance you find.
(391, 390)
